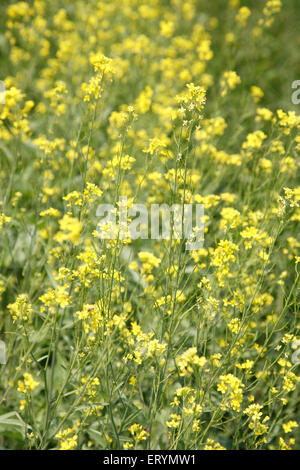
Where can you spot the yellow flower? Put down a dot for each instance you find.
(4, 219)
(254, 140)
(212, 445)
(21, 308)
(232, 387)
(68, 438)
(257, 93)
(175, 421)
(28, 384)
(166, 28)
(137, 431)
(243, 15)
(289, 426)
(70, 229)
(189, 358)
(229, 81)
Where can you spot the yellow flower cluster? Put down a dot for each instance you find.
(232, 389)
(142, 343)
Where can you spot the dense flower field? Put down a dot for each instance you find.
(122, 343)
